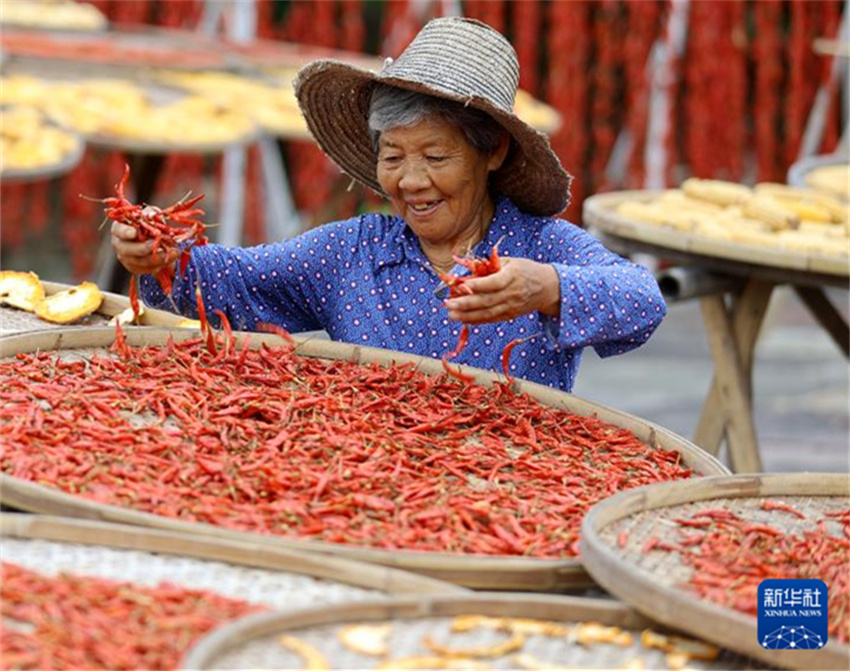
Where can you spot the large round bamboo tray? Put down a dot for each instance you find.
(484, 572)
(156, 147)
(13, 320)
(650, 584)
(65, 165)
(253, 641)
(600, 214)
(275, 579)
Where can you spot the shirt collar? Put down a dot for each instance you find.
(402, 242)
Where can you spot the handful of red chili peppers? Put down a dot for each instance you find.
(168, 228)
(457, 287)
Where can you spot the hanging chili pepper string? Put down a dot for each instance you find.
(769, 74)
(568, 54)
(526, 41)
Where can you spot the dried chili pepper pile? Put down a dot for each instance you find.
(731, 556)
(81, 622)
(272, 442)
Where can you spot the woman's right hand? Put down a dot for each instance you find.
(137, 257)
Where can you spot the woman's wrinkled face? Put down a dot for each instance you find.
(436, 180)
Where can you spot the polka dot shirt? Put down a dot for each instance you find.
(367, 281)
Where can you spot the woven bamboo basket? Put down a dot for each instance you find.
(483, 572)
(275, 579)
(255, 641)
(652, 582)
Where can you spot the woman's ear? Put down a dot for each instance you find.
(498, 156)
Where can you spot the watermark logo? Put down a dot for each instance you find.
(792, 614)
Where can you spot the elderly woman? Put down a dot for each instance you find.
(435, 133)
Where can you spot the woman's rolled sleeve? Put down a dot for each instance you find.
(607, 302)
(249, 285)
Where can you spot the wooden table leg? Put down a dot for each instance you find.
(827, 316)
(747, 317)
(733, 386)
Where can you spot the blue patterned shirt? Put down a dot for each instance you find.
(367, 281)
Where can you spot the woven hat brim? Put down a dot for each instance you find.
(334, 98)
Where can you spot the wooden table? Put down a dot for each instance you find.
(733, 315)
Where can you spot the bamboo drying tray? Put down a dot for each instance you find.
(600, 213)
(279, 578)
(649, 582)
(253, 642)
(61, 167)
(13, 320)
(483, 572)
(140, 146)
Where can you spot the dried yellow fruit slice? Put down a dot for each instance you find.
(189, 324)
(517, 625)
(70, 305)
(126, 316)
(313, 659)
(530, 662)
(589, 633)
(20, 290)
(367, 639)
(515, 642)
(678, 646)
(454, 663)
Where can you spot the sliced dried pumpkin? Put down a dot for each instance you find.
(454, 663)
(515, 642)
(313, 659)
(70, 305)
(367, 639)
(20, 290)
(590, 633)
(126, 316)
(525, 660)
(517, 625)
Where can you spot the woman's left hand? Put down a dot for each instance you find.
(520, 287)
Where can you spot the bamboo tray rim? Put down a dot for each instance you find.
(479, 571)
(600, 214)
(507, 604)
(113, 304)
(112, 535)
(675, 607)
(799, 170)
(141, 146)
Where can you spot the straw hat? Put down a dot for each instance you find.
(453, 58)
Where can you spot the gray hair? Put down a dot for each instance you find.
(393, 107)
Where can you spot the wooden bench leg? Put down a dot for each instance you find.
(747, 317)
(733, 386)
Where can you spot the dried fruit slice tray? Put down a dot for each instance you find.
(693, 555)
(79, 594)
(476, 632)
(622, 221)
